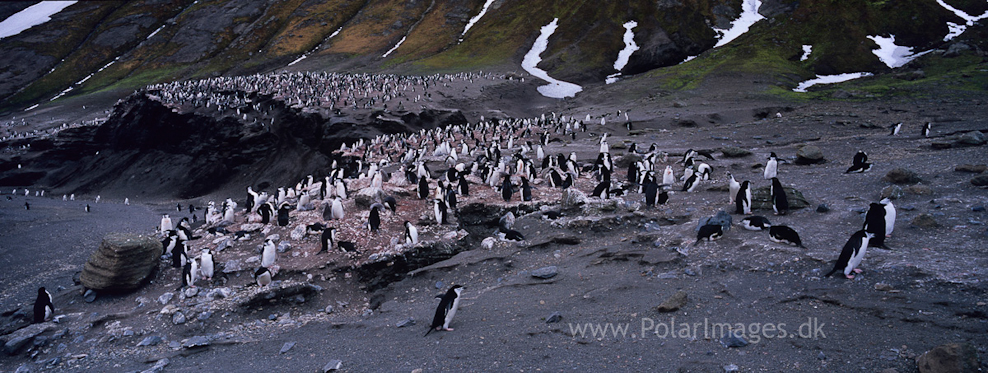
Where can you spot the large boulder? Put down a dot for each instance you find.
(761, 198)
(122, 262)
(809, 154)
(951, 357)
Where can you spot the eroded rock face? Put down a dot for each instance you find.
(122, 262)
(951, 357)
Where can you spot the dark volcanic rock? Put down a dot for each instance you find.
(925, 221)
(545, 272)
(980, 180)
(952, 357)
(122, 262)
(973, 138)
(901, 176)
(674, 303)
(761, 198)
(809, 154)
(17, 340)
(972, 168)
(732, 152)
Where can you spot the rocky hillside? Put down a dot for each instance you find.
(94, 46)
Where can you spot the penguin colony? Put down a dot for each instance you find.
(508, 158)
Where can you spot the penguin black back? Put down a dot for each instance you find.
(780, 203)
(875, 224)
(43, 307)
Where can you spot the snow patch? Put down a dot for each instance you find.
(31, 16)
(306, 54)
(395, 47)
(556, 88)
(893, 55)
(828, 79)
(955, 29)
(476, 18)
(625, 54)
(807, 49)
(154, 33)
(749, 15)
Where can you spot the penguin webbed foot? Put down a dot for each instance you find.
(849, 277)
(858, 270)
(448, 329)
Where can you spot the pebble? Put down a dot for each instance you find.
(332, 365)
(175, 345)
(178, 318)
(197, 341)
(89, 296)
(730, 368)
(978, 208)
(439, 284)
(273, 316)
(165, 298)
(731, 340)
(329, 309)
(151, 340)
(191, 292)
(205, 315)
(554, 318)
(821, 356)
(545, 272)
(287, 346)
(822, 208)
(284, 246)
(23, 369)
(406, 322)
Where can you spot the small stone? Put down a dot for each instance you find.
(287, 346)
(919, 190)
(673, 303)
(978, 208)
(367, 312)
(554, 318)
(972, 168)
(686, 123)
(809, 154)
(253, 260)
(439, 284)
(730, 340)
(821, 356)
(223, 245)
(165, 298)
(730, 368)
(298, 232)
(205, 315)
(151, 340)
(881, 286)
(939, 145)
(980, 180)
(197, 341)
(952, 357)
(233, 266)
(925, 221)
(689, 271)
(273, 316)
(545, 272)
(174, 345)
(329, 309)
(128, 333)
(901, 176)
(732, 152)
(823, 208)
(332, 365)
(284, 246)
(89, 296)
(158, 366)
(23, 369)
(191, 292)
(406, 322)
(892, 192)
(178, 318)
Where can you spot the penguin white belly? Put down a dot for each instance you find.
(451, 313)
(856, 259)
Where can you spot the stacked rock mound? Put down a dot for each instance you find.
(122, 262)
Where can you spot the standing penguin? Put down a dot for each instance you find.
(772, 166)
(207, 265)
(852, 254)
(336, 210)
(889, 216)
(526, 190)
(441, 212)
(180, 255)
(506, 189)
(895, 129)
(733, 187)
(423, 188)
(784, 234)
(327, 239)
(262, 276)
(283, 214)
(43, 307)
(926, 129)
(743, 199)
(411, 233)
(193, 272)
(448, 304)
(269, 254)
(374, 218)
(651, 192)
(265, 210)
(669, 176)
(875, 224)
(780, 203)
(186, 275)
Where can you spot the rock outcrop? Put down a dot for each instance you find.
(122, 263)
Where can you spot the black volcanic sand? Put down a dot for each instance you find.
(929, 289)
